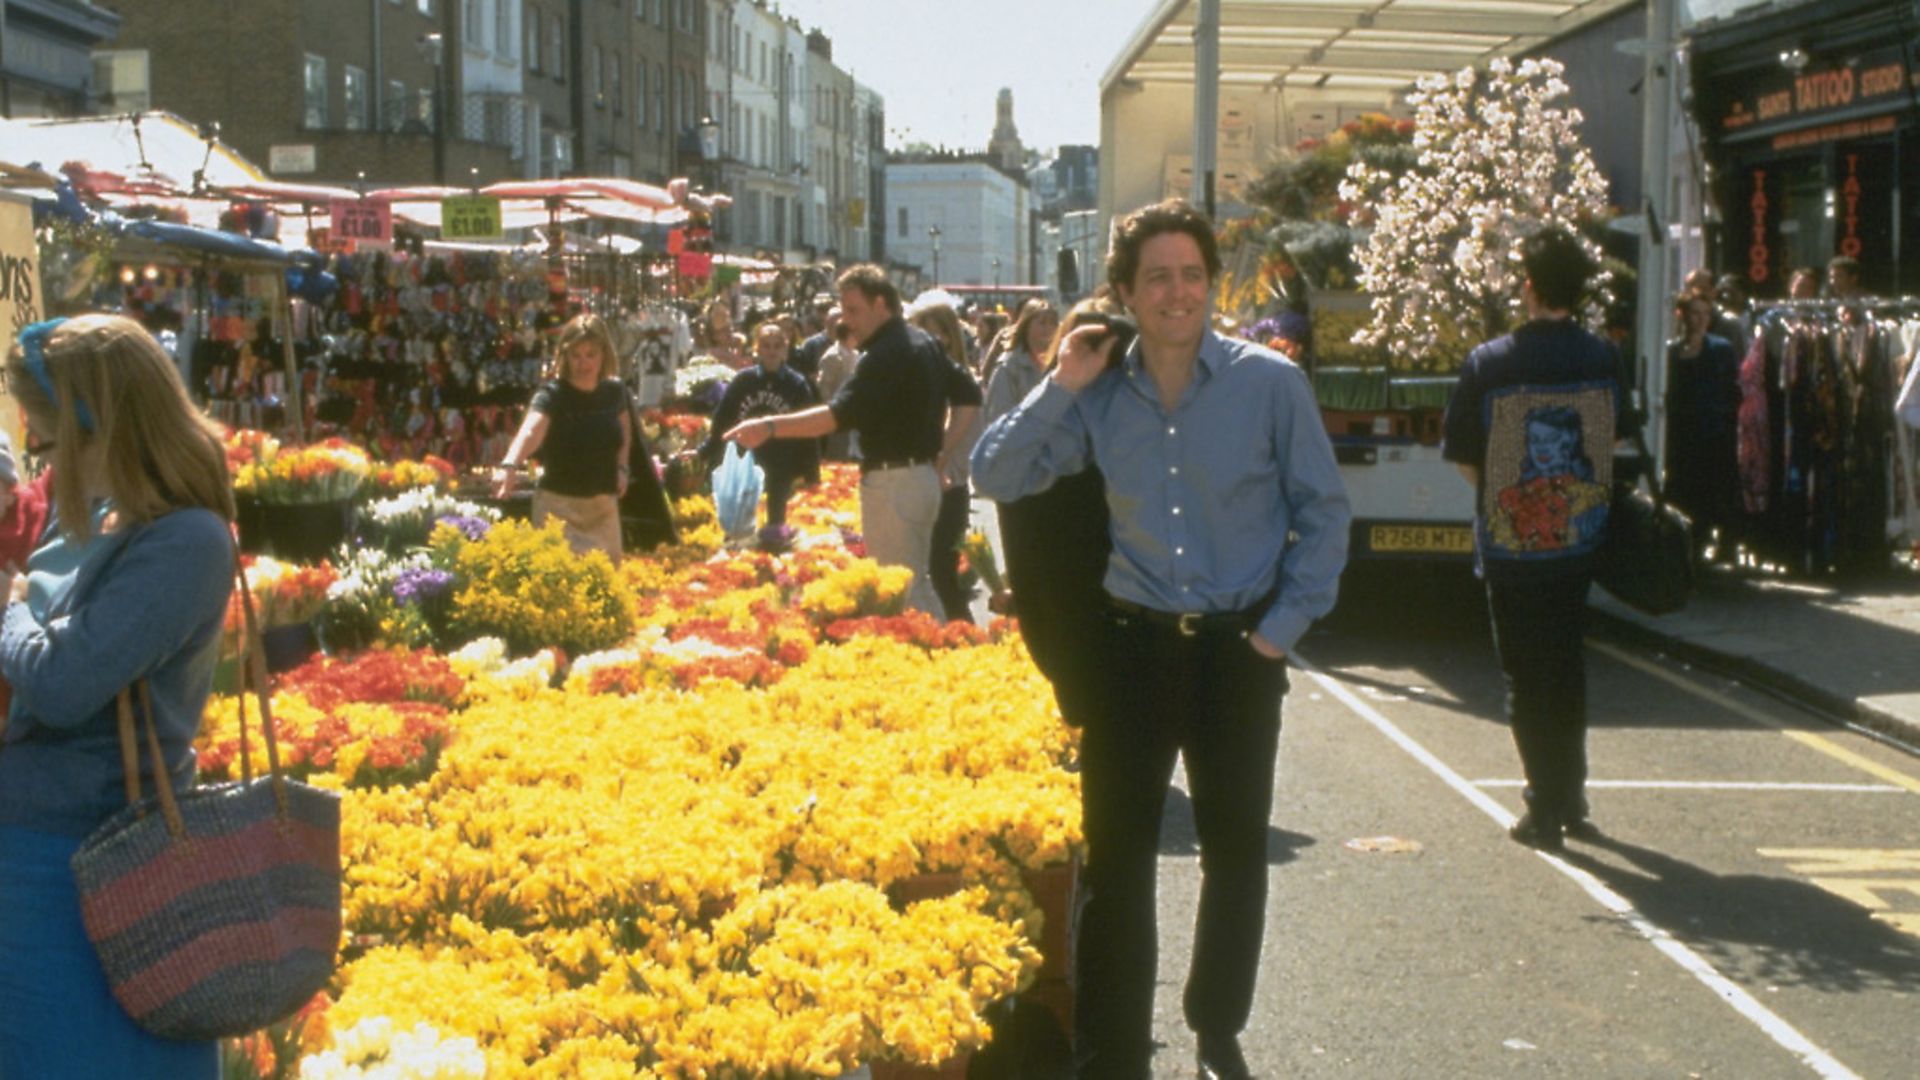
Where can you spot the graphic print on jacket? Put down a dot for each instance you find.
(1549, 480)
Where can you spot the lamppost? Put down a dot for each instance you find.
(433, 47)
(996, 273)
(710, 151)
(933, 232)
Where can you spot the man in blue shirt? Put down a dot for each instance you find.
(1532, 425)
(1229, 526)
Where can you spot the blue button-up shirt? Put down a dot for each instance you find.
(1212, 503)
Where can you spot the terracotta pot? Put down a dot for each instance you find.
(1053, 889)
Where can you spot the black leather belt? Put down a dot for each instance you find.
(879, 464)
(1188, 623)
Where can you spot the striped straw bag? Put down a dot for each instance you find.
(219, 914)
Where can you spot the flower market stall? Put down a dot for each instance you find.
(711, 812)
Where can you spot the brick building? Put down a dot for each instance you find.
(331, 89)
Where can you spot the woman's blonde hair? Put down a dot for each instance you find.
(940, 321)
(591, 328)
(157, 453)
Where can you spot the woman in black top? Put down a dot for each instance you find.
(580, 427)
(1703, 405)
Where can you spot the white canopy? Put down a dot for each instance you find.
(1346, 44)
(157, 147)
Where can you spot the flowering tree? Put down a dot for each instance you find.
(1497, 159)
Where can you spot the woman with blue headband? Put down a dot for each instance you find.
(130, 581)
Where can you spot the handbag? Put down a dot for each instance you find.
(219, 914)
(1646, 560)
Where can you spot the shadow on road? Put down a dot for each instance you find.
(1178, 836)
(1761, 930)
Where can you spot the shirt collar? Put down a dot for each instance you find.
(1213, 356)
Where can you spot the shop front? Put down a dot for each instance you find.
(1813, 140)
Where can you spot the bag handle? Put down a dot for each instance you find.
(1648, 467)
(253, 667)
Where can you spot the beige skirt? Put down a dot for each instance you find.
(589, 523)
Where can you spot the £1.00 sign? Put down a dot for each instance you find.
(362, 221)
(470, 217)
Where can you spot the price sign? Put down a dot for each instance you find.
(470, 217)
(362, 221)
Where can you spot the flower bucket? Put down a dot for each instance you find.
(303, 532)
(289, 646)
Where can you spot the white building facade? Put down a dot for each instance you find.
(979, 218)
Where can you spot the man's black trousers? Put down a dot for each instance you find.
(1215, 702)
(1538, 630)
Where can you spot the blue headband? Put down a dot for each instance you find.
(33, 343)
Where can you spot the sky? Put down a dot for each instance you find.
(941, 63)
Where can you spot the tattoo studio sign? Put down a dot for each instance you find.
(1821, 103)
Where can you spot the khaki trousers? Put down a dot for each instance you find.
(589, 522)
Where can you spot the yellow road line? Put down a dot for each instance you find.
(1805, 738)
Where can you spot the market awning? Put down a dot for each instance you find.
(1358, 45)
(154, 153)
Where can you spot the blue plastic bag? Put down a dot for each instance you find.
(736, 491)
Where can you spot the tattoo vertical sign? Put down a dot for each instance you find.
(20, 298)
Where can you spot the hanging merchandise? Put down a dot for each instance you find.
(1822, 484)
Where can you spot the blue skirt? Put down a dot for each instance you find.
(57, 1017)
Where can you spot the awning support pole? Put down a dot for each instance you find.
(1206, 102)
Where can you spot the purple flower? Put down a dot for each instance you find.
(420, 586)
(776, 538)
(473, 528)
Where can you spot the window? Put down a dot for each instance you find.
(425, 6)
(423, 108)
(472, 23)
(659, 12)
(503, 28)
(316, 83)
(356, 99)
(640, 93)
(558, 49)
(395, 107)
(903, 223)
(660, 97)
(533, 42)
(597, 77)
(614, 91)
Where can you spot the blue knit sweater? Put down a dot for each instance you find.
(143, 602)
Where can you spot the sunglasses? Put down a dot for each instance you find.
(33, 350)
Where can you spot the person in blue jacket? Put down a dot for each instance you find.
(130, 581)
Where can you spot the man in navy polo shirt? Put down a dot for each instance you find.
(1532, 425)
(898, 401)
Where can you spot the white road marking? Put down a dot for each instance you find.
(1776, 1028)
(1718, 785)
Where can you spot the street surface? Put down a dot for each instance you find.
(1753, 910)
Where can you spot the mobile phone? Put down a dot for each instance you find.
(1120, 330)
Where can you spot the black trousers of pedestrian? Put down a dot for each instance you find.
(1215, 702)
(943, 562)
(779, 487)
(1538, 630)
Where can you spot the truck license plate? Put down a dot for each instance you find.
(1442, 539)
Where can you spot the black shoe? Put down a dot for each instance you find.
(1538, 831)
(1581, 828)
(1220, 1059)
